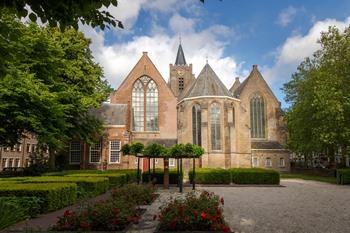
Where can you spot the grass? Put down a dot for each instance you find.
(326, 179)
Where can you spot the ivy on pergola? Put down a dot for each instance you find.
(154, 150)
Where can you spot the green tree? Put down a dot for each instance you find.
(319, 93)
(48, 84)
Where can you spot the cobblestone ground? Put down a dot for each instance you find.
(300, 206)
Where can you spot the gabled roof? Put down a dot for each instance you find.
(254, 73)
(235, 85)
(207, 84)
(111, 114)
(266, 145)
(180, 57)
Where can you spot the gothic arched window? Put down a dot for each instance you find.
(145, 105)
(215, 127)
(257, 116)
(196, 125)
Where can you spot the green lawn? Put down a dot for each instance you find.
(331, 180)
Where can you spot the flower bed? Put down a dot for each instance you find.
(111, 215)
(203, 212)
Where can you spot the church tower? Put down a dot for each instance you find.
(181, 75)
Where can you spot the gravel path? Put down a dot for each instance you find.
(300, 206)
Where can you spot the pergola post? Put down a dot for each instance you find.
(181, 176)
(194, 175)
(149, 170)
(154, 166)
(138, 170)
(178, 172)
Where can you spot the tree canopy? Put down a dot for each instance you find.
(319, 93)
(48, 84)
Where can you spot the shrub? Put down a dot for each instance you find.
(115, 179)
(194, 213)
(87, 186)
(138, 194)
(343, 176)
(211, 176)
(159, 175)
(53, 196)
(254, 176)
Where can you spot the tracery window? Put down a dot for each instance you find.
(196, 125)
(257, 117)
(145, 105)
(215, 127)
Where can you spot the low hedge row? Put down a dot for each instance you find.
(211, 176)
(254, 176)
(115, 179)
(159, 175)
(343, 176)
(235, 175)
(53, 196)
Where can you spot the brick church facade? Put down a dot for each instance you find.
(238, 127)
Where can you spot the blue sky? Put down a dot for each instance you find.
(233, 34)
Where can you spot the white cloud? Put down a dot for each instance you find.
(296, 48)
(118, 59)
(286, 16)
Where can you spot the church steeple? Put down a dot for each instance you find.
(180, 73)
(180, 57)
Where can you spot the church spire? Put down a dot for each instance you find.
(180, 57)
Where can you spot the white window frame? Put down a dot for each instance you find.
(10, 164)
(266, 162)
(253, 162)
(172, 162)
(70, 154)
(95, 150)
(6, 162)
(283, 163)
(19, 162)
(118, 151)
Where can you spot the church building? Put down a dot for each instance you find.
(238, 127)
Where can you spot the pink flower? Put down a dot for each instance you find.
(68, 213)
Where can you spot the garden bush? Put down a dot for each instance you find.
(115, 179)
(139, 194)
(159, 175)
(343, 176)
(87, 186)
(14, 209)
(254, 176)
(211, 176)
(202, 212)
(54, 196)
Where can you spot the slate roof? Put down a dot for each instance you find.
(266, 145)
(111, 114)
(207, 84)
(180, 57)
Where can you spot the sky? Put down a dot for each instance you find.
(232, 34)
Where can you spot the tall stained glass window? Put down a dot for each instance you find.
(196, 125)
(215, 127)
(145, 105)
(257, 116)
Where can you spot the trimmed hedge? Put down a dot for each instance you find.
(92, 186)
(159, 175)
(254, 176)
(211, 176)
(115, 180)
(343, 176)
(54, 196)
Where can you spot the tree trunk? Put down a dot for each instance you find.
(52, 160)
(166, 174)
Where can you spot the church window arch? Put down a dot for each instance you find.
(257, 116)
(215, 126)
(196, 125)
(145, 105)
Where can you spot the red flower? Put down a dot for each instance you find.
(226, 229)
(68, 213)
(222, 201)
(84, 226)
(204, 215)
